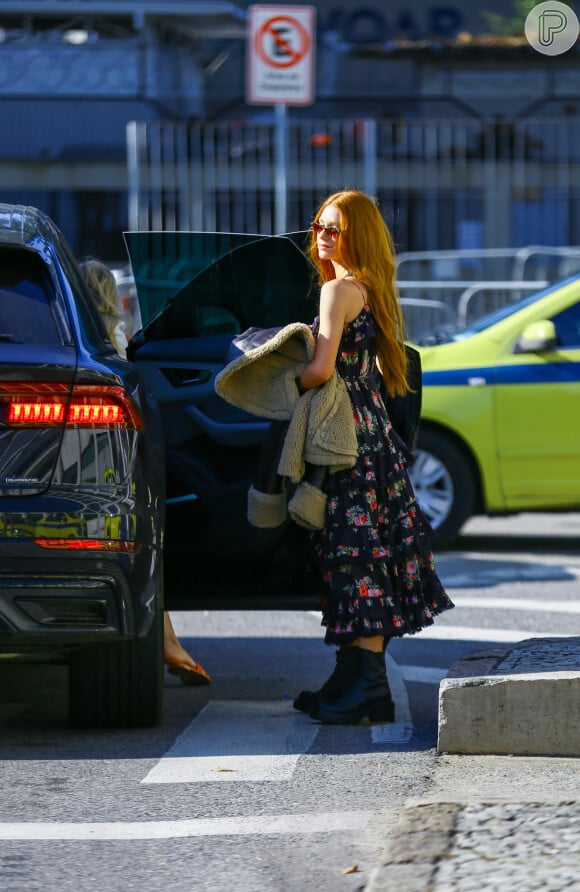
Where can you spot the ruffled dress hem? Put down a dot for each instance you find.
(375, 550)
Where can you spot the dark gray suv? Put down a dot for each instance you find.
(81, 487)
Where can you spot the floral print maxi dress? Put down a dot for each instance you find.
(375, 551)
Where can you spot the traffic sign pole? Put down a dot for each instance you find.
(281, 175)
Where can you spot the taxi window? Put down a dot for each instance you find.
(567, 325)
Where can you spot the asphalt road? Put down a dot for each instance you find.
(236, 791)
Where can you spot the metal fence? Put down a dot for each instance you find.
(437, 306)
(442, 184)
(532, 262)
(442, 288)
(465, 199)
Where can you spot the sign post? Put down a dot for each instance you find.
(280, 72)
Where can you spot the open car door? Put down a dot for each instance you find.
(197, 291)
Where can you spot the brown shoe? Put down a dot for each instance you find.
(191, 673)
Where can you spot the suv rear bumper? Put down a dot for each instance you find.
(61, 600)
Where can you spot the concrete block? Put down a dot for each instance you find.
(519, 700)
(529, 713)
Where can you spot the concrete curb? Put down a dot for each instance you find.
(420, 839)
(519, 700)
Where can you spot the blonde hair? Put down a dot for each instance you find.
(103, 289)
(365, 248)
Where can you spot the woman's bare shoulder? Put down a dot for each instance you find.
(343, 297)
(338, 289)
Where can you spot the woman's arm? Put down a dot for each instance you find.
(335, 305)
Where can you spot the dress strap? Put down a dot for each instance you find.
(358, 285)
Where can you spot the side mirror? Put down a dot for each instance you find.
(537, 337)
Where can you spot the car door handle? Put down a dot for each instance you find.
(231, 434)
(178, 377)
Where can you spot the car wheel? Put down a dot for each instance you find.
(444, 484)
(119, 685)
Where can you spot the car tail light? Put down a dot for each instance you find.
(90, 544)
(56, 405)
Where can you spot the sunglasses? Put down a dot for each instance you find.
(332, 230)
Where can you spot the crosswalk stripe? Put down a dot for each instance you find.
(482, 577)
(424, 674)
(398, 690)
(397, 732)
(442, 632)
(234, 740)
(547, 605)
(239, 825)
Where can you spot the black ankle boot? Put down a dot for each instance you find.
(343, 675)
(368, 696)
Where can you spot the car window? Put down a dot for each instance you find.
(26, 299)
(200, 284)
(93, 327)
(567, 325)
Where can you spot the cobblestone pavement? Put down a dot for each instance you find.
(487, 846)
(541, 655)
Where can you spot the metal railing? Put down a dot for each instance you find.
(473, 283)
(491, 296)
(533, 262)
(423, 316)
(456, 303)
(461, 264)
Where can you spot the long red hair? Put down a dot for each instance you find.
(365, 248)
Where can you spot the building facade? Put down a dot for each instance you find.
(75, 73)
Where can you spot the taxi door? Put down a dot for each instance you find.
(538, 420)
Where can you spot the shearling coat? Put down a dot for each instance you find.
(262, 380)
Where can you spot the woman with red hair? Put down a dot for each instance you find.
(374, 552)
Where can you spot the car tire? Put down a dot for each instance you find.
(444, 484)
(119, 685)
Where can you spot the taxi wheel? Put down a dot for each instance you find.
(444, 484)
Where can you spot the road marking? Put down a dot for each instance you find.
(240, 825)
(527, 604)
(480, 576)
(233, 740)
(398, 690)
(444, 632)
(397, 732)
(424, 674)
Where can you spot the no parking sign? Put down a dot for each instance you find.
(280, 55)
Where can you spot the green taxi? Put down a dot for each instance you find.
(500, 424)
